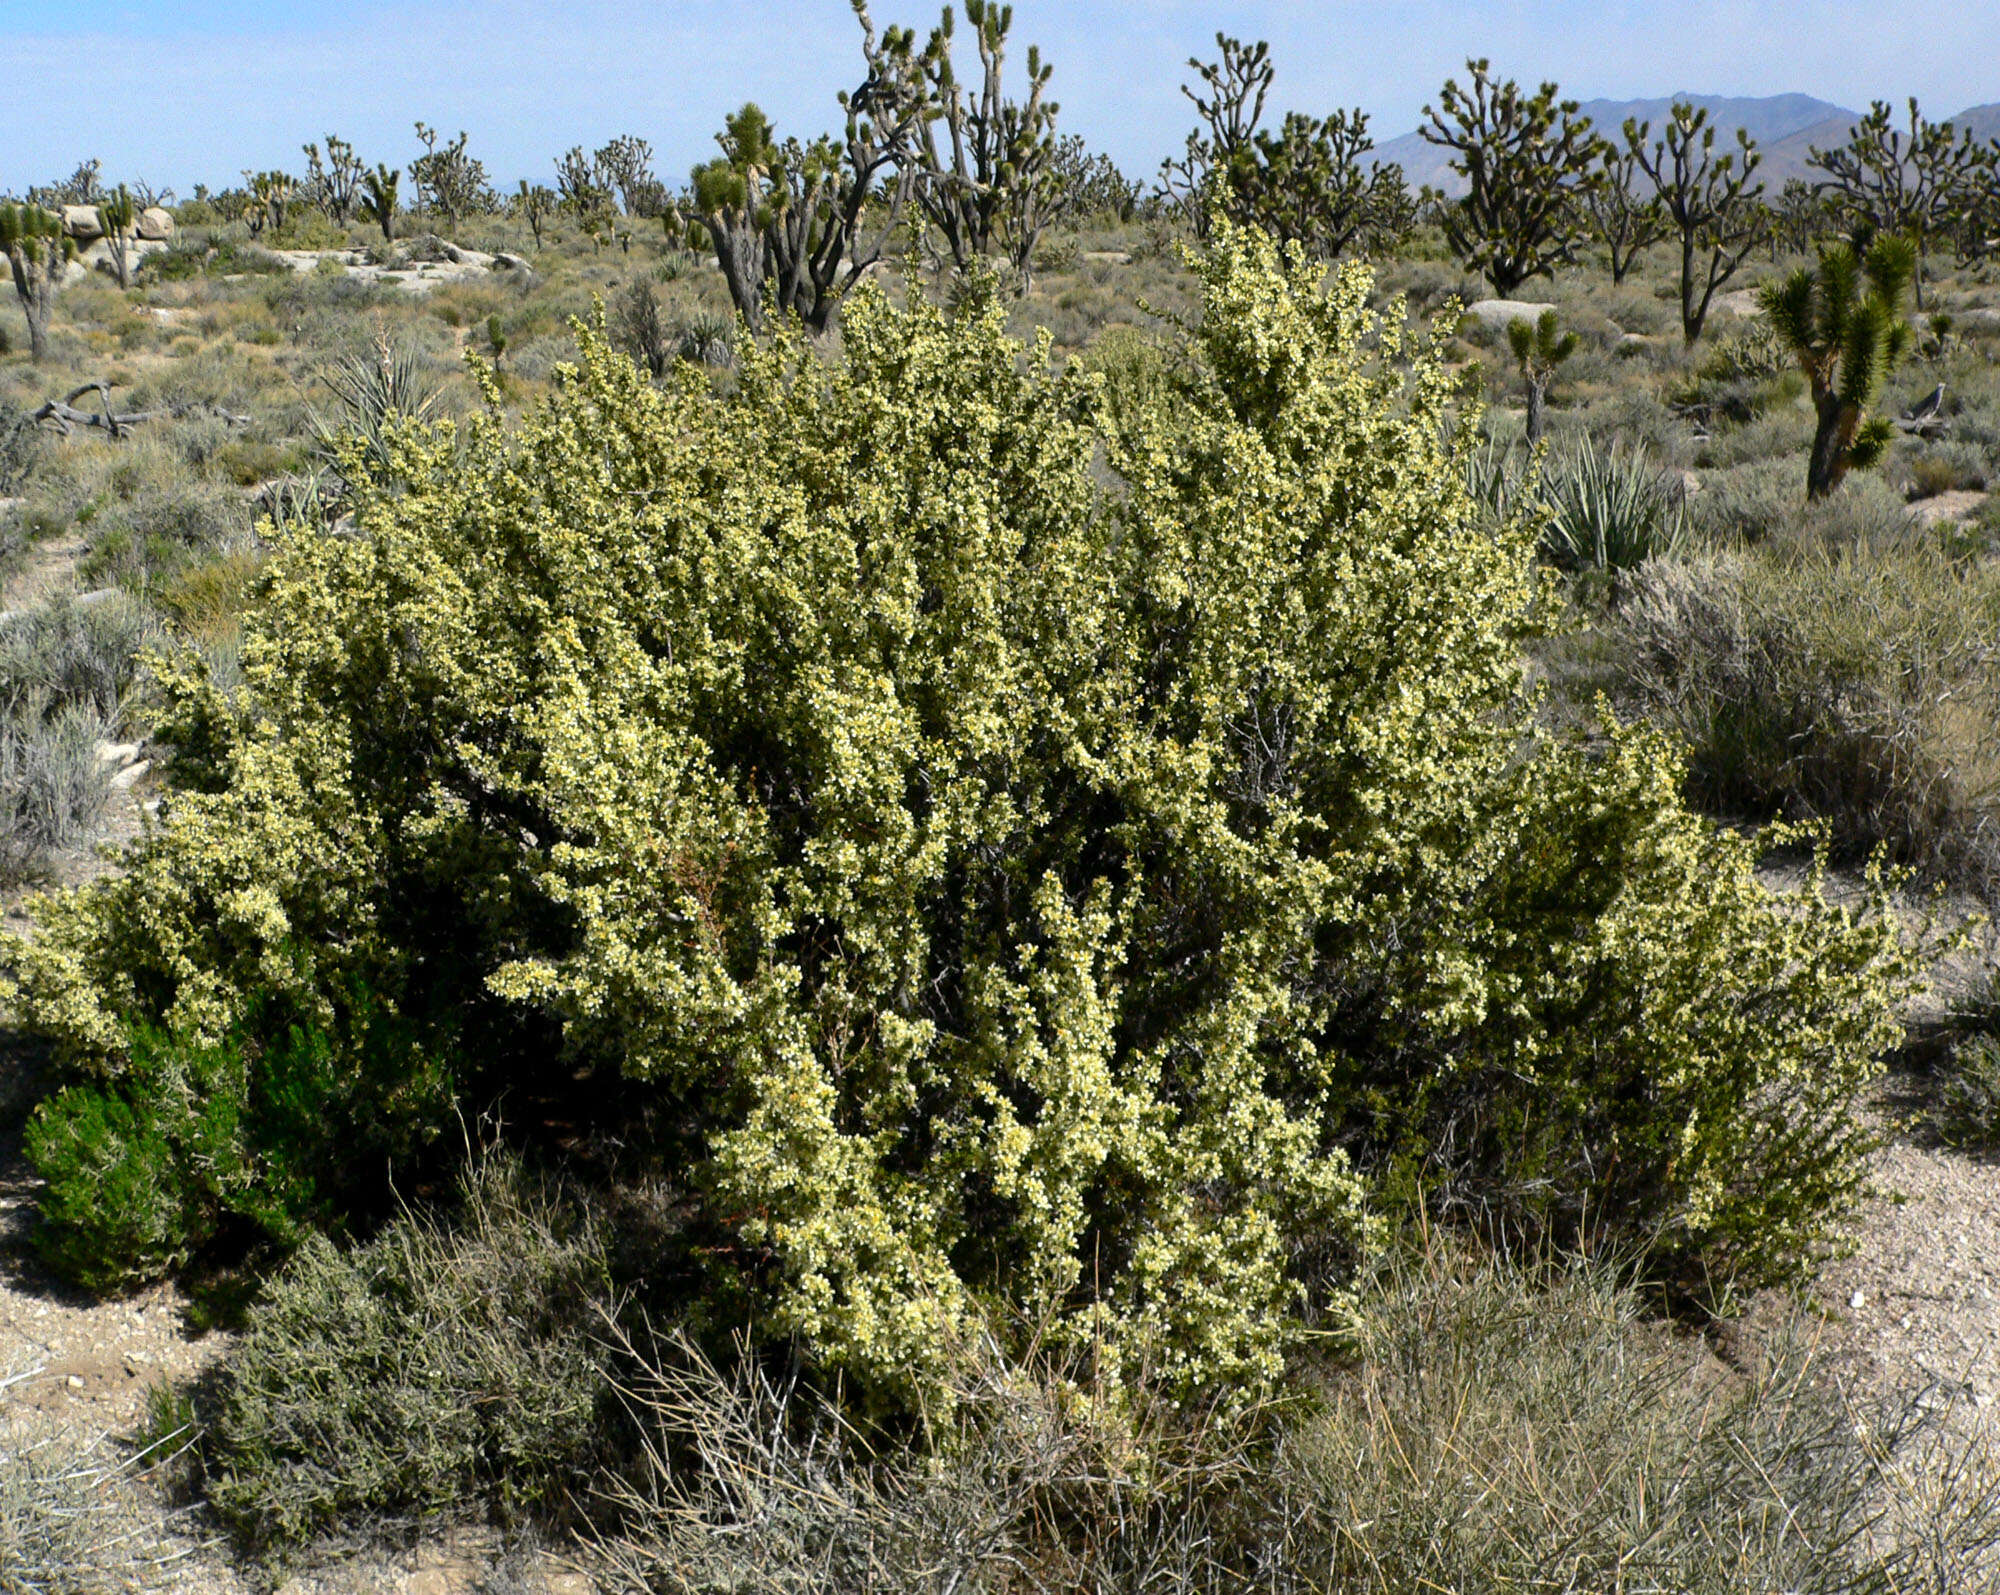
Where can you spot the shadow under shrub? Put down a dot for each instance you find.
(1004, 896)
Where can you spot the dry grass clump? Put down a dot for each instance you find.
(1498, 1430)
(1853, 682)
(68, 1522)
(68, 672)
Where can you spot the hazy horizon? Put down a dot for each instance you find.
(187, 94)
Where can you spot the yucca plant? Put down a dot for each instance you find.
(705, 337)
(1602, 509)
(1844, 325)
(388, 382)
(39, 251)
(1609, 509)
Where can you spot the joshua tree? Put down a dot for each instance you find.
(585, 190)
(1798, 216)
(496, 340)
(1919, 184)
(448, 180)
(270, 194)
(1233, 106)
(38, 250)
(334, 184)
(1084, 184)
(1629, 220)
(379, 187)
(117, 214)
(535, 205)
(1310, 181)
(989, 182)
(1538, 350)
(793, 214)
(626, 165)
(1707, 197)
(1844, 325)
(81, 187)
(1529, 162)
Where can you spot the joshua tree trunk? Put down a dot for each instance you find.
(741, 253)
(1828, 465)
(1538, 393)
(35, 282)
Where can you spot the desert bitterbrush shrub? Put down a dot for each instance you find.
(1047, 861)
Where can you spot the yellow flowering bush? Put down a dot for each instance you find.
(1035, 860)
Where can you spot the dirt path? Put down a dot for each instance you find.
(50, 568)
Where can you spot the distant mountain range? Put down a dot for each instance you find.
(1786, 127)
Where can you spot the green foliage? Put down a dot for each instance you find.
(1539, 349)
(1531, 164)
(1017, 899)
(440, 1369)
(282, 1132)
(1844, 325)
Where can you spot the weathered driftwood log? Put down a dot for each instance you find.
(67, 418)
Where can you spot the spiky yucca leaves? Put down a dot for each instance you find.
(1844, 325)
(39, 251)
(1538, 351)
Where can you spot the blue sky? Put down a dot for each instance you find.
(181, 93)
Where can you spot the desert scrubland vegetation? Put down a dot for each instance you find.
(915, 868)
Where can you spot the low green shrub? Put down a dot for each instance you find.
(1745, 504)
(1026, 862)
(274, 1130)
(191, 255)
(445, 1368)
